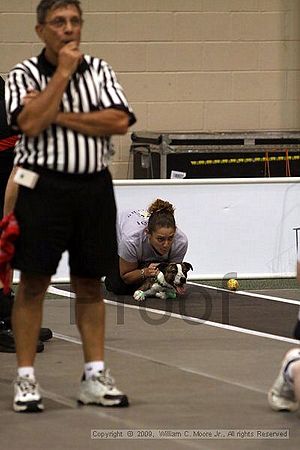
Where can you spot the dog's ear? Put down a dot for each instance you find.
(187, 266)
(162, 266)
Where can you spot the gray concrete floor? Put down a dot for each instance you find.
(178, 376)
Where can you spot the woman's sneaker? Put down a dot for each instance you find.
(7, 342)
(100, 390)
(281, 396)
(45, 333)
(27, 396)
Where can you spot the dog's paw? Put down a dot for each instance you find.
(139, 296)
(161, 295)
(171, 295)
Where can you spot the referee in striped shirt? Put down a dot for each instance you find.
(66, 105)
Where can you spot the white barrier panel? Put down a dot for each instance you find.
(233, 225)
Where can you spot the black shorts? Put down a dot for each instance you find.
(69, 212)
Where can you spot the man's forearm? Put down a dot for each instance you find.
(42, 110)
(11, 193)
(97, 123)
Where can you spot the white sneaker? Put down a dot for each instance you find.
(100, 390)
(281, 396)
(27, 396)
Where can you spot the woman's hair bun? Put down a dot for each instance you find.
(161, 205)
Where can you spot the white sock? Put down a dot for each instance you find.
(92, 368)
(26, 372)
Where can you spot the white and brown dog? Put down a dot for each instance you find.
(169, 282)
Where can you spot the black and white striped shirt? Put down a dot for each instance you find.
(93, 87)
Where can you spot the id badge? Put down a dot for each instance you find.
(26, 177)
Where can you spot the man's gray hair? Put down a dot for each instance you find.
(46, 5)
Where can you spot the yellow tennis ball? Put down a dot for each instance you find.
(232, 284)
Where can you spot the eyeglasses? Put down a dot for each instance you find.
(60, 22)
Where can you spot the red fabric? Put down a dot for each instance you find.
(8, 142)
(9, 230)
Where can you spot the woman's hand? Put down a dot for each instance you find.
(132, 274)
(151, 270)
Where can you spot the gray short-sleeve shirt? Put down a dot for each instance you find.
(133, 243)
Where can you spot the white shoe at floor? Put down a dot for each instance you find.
(27, 396)
(100, 390)
(281, 396)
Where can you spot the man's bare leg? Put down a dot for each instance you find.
(27, 316)
(97, 386)
(90, 317)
